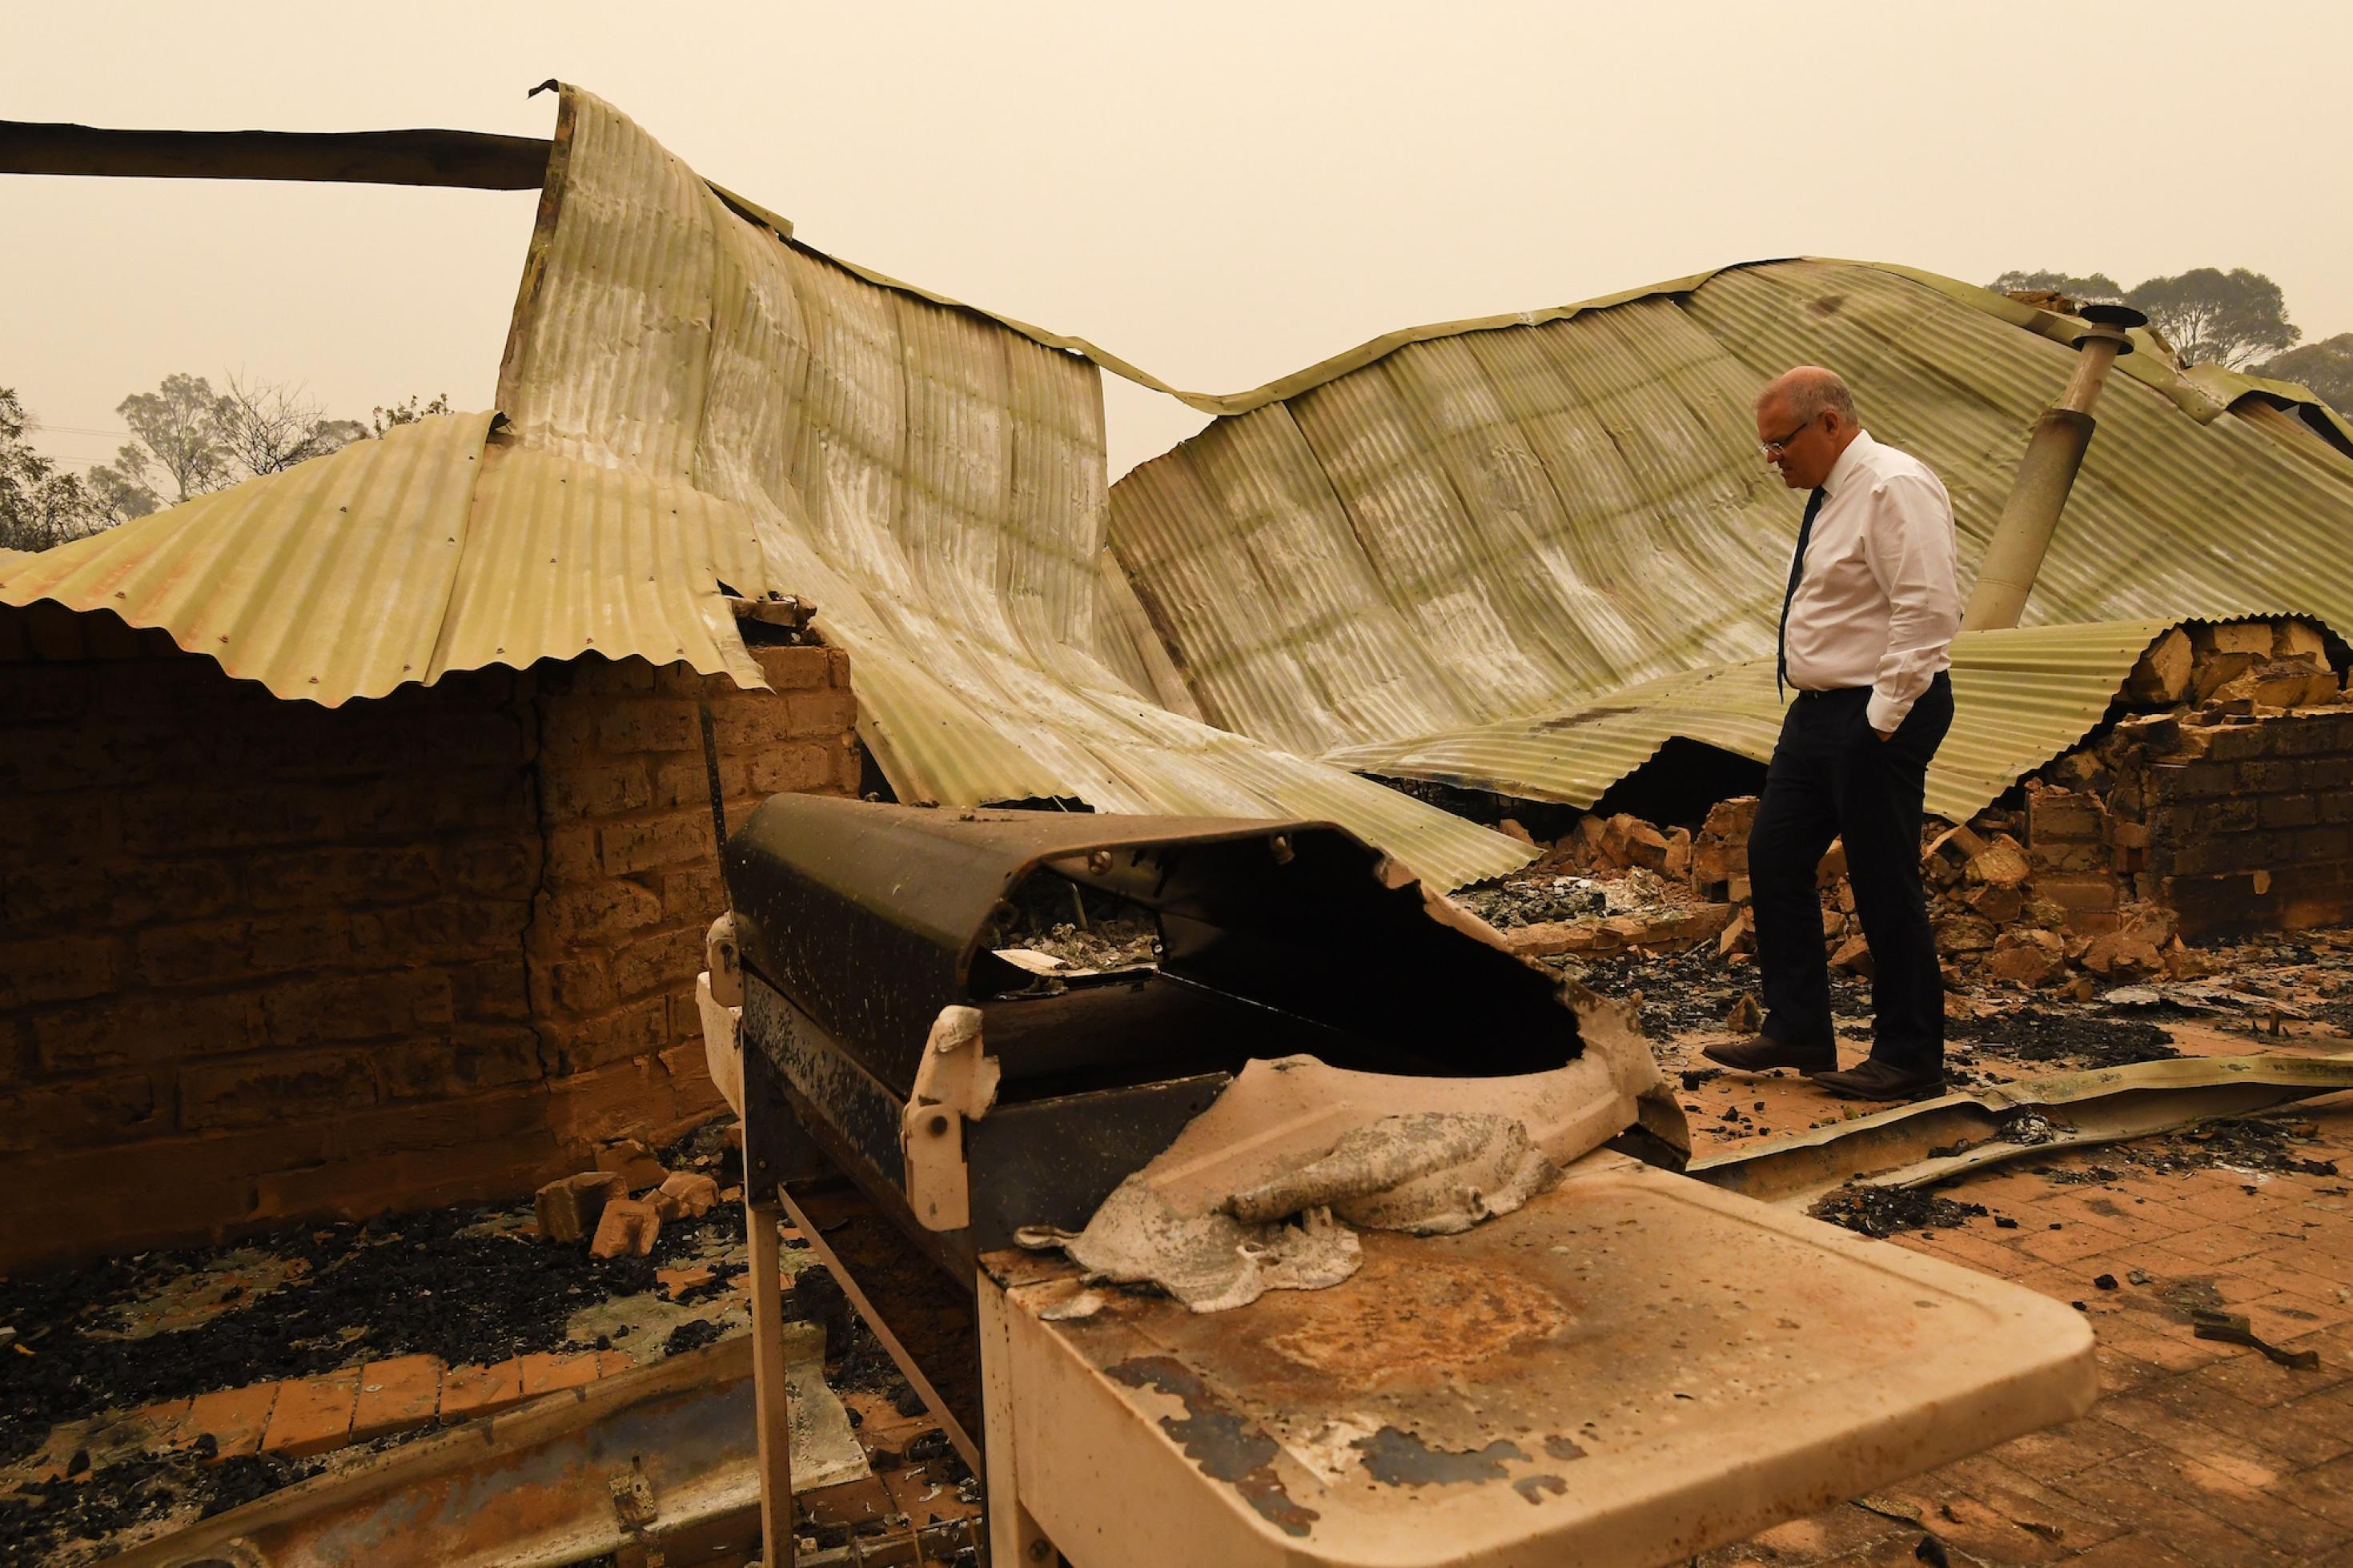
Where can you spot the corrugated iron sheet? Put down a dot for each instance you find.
(1528, 555)
(396, 560)
(325, 581)
(932, 480)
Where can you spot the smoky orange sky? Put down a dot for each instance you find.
(1221, 193)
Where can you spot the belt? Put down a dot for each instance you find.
(1832, 691)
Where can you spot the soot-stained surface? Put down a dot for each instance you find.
(471, 1285)
(1694, 991)
(36, 1522)
(1219, 1439)
(2275, 1145)
(2049, 1035)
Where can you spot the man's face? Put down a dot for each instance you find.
(1803, 452)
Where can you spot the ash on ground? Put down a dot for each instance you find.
(1881, 1211)
(2032, 1033)
(471, 1284)
(1692, 992)
(2255, 1144)
(1536, 900)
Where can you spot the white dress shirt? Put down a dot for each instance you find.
(1877, 605)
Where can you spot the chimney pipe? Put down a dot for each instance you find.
(2053, 454)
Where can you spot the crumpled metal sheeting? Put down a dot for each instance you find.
(625, 280)
(1470, 529)
(326, 582)
(2169, 516)
(566, 557)
(2292, 429)
(2021, 697)
(1573, 754)
(1527, 521)
(933, 483)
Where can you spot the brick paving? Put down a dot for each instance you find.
(2197, 1452)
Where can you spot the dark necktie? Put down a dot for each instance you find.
(1797, 573)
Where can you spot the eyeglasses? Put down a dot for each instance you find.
(1775, 449)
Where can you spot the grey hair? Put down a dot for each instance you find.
(1808, 392)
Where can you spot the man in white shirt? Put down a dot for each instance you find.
(1866, 622)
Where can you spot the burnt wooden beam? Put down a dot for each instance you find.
(473, 160)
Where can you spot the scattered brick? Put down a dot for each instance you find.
(688, 1195)
(677, 1282)
(569, 1208)
(634, 1163)
(628, 1229)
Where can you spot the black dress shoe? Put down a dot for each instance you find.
(1875, 1080)
(1763, 1052)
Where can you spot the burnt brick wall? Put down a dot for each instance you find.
(632, 878)
(2250, 822)
(261, 959)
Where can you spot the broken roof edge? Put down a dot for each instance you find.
(2024, 695)
(362, 571)
(2236, 387)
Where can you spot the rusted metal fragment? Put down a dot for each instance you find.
(1396, 1458)
(1219, 1438)
(1938, 1140)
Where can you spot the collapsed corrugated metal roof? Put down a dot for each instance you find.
(695, 399)
(1519, 552)
(1523, 555)
(2020, 698)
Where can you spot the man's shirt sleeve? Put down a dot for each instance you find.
(1908, 542)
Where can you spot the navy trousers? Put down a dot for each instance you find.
(1832, 777)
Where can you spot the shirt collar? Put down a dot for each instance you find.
(1848, 461)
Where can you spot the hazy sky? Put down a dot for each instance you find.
(1221, 193)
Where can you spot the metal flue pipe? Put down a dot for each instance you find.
(2054, 453)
